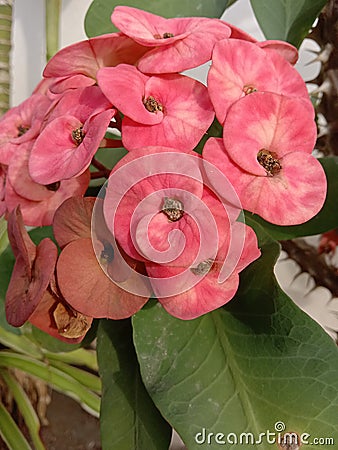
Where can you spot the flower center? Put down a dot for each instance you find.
(164, 36)
(203, 267)
(78, 135)
(249, 89)
(173, 209)
(53, 186)
(269, 161)
(152, 105)
(22, 129)
(107, 254)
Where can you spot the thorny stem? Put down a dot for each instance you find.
(118, 122)
(99, 174)
(103, 171)
(315, 265)
(111, 143)
(325, 33)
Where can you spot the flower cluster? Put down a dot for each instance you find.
(167, 222)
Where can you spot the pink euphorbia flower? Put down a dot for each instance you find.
(155, 173)
(241, 67)
(3, 175)
(176, 44)
(32, 271)
(286, 50)
(268, 121)
(208, 294)
(286, 190)
(76, 65)
(21, 124)
(38, 202)
(96, 295)
(171, 110)
(72, 135)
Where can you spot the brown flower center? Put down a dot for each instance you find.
(53, 186)
(164, 36)
(249, 89)
(22, 129)
(269, 161)
(203, 267)
(152, 105)
(78, 135)
(173, 209)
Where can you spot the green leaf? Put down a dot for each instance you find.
(10, 432)
(129, 419)
(55, 378)
(241, 368)
(288, 20)
(98, 21)
(325, 220)
(84, 377)
(25, 407)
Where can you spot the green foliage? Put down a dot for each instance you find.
(98, 15)
(325, 220)
(244, 367)
(288, 20)
(10, 432)
(129, 419)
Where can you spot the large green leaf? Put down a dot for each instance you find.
(242, 368)
(325, 220)
(98, 21)
(288, 20)
(129, 420)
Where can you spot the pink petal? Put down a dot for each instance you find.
(286, 50)
(21, 124)
(250, 251)
(72, 220)
(124, 86)
(21, 243)
(56, 156)
(93, 294)
(207, 295)
(60, 85)
(190, 46)
(237, 65)
(289, 80)
(86, 57)
(293, 196)
(24, 293)
(40, 213)
(20, 179)
(268, 121)
(81, 103)
(188, 113)
(138, 176)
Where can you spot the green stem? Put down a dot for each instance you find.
(6, 7)
(53, 9)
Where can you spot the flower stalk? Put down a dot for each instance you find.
(6, 7)
(53, 9)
